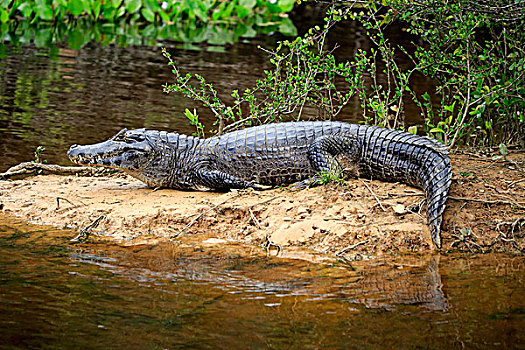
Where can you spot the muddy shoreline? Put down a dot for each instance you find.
(356, 219)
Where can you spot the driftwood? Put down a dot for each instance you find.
(30, 168)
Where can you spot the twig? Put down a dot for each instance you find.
(270, 244)
(263, 202)
(64, 199)
(518, 204)
(84, 233)
(403, 195)
(353, 246)
(254, 218)
(373, 194)
(515, 182)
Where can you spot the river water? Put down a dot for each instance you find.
(55, 295)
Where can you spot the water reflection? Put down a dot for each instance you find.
(69, 96)
(186, 295)
(81, 32)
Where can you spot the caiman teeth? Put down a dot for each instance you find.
(94, 159)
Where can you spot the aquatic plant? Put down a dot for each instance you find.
(217, 22)
(167, 11)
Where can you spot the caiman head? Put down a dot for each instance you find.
(132, 151)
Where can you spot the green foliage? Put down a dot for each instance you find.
(38, 155)
(472, 49)
(191, 21)
(325, 177)
(475, 51)
(193, 117)
(304, 75)
(168, 11)
(82, 31)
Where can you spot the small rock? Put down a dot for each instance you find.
(214, 241)
(303, 210)
(399, 209)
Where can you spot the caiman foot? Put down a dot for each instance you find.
(307, 183)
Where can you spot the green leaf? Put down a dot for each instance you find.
(44, 11)
(286, 5)
(247, 4)
(108, 12)
(153, 5)
(503, 149)
(148, 14)
(133, 5)
(242, 11)
(4, 16)
(116, 3)
(96, 8)
(26, 9)
(165, 17)
(150, 31)
(437, 130)
(76, 7)
(287, 27)
(450, 108)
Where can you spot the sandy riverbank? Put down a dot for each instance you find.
(357, 219)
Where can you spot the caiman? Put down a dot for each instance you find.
(299, 153)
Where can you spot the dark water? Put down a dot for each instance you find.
(57, 97)
(57, 296)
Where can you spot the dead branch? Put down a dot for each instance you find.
(269, 244)
(254, 218)
(352, 247)
(263, 202)
(85, 232)
(29, 168)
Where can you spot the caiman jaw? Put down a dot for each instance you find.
(92, 160)
(128, 150)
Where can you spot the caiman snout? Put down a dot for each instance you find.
(75, 153)
(71, 151)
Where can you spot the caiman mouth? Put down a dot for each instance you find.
(105, 154)
(94, 160)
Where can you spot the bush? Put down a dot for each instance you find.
(475, 52)
(472, 49)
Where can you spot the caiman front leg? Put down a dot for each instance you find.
(217, 180)
(331, 156)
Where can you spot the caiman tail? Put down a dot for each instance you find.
(420, 161)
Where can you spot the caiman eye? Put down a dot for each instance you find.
(121, 135)
(135, 137)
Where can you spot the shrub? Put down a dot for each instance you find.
(472, 49)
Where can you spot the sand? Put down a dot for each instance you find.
(354, 219)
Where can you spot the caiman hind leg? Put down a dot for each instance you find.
(331, 157)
